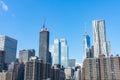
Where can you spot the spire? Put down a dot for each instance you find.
(43, 27)
(44, 24)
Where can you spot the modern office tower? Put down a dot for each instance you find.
(57, 73)
(44, 44)
(2, 60)
(86, 44)
(71, 62)
(57, 52)
(24, 55)
(99, 37)
(9, 45)
(108, 46)
(44, 53)
(102, 68)
(33, 69)
(64, 53)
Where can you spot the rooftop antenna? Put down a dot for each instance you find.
(44, 23)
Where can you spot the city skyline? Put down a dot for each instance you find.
(64, 19)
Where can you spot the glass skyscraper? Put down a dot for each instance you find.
(64, 53)
(99, 37)
(9, 45)
(44, 45)
(60, 52)
(57, 52)
(86, 44)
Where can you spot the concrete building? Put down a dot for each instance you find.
(2, 60)
(57, 72)
(24, 55)
(6, 76)
(33, 69)
(101, 68)
(9, 45)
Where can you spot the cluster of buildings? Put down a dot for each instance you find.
(99, 63)
(52, 63)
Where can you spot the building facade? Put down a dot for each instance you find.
(24, 55)
(101, 68)
(9, 45)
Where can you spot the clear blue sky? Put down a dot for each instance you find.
(23, 19)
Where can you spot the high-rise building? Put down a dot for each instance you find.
(9, 45)
(57, 73)
(24, 55)
(44, 44)
(60, 52)
(57, 52)
(86, 44)
(71, 62)
(99, 37)
(102, 68)
(64, 53)
(33, 69)
(44, 53)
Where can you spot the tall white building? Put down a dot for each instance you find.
(99, 37)
(9, 45)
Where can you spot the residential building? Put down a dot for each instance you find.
(101, 68)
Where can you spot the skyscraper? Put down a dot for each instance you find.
(44, 53)
(9, 45)
(64, 53)
(44, 44)
(24, 55)
(57, 52)
(99, 37)
(86, 44)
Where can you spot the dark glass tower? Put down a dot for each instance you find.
(44, 44)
